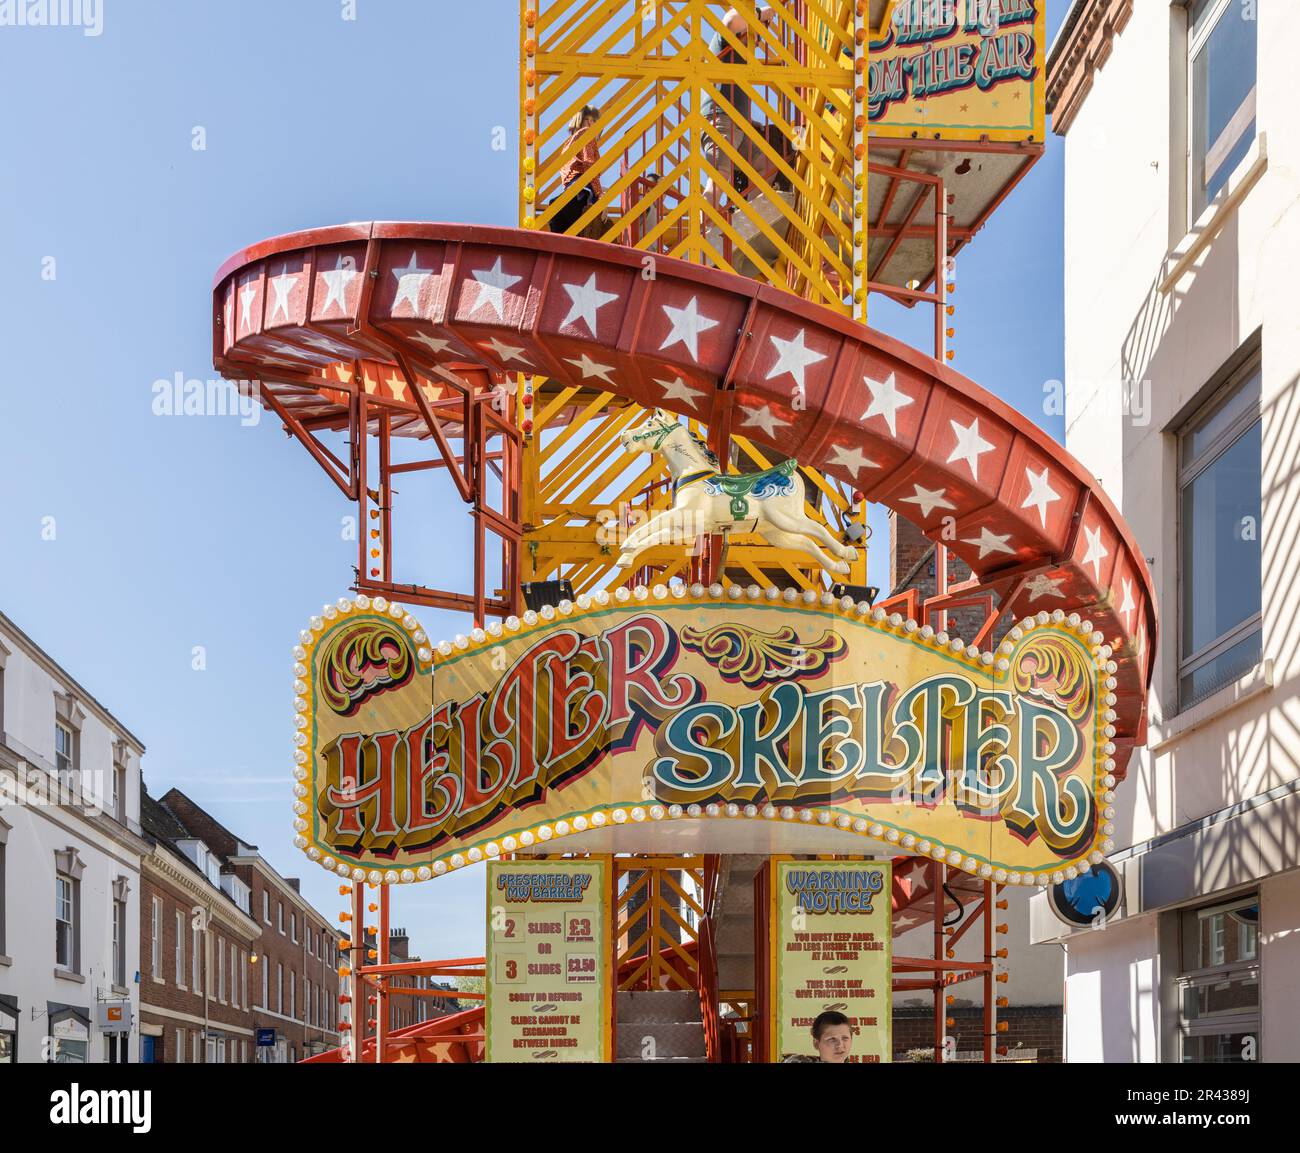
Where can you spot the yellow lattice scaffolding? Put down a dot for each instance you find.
(727, 137)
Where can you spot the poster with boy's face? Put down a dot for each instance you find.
(832, 967)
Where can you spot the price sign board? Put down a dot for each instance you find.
(548, 961)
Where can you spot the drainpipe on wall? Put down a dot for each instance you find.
(207, 974)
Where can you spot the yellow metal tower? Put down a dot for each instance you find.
(728, 135)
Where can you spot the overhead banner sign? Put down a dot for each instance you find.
(698, 707)
(960, 70)
(548, 961)
(832, 945)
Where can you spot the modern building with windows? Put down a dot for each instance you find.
(70, 851)
(1182, 221)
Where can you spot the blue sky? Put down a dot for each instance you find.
(178, 532)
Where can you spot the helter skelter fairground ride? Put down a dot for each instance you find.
(710, 781)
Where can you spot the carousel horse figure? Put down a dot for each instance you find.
(770, 503)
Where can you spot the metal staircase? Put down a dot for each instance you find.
(660, 1025)
(734, 920)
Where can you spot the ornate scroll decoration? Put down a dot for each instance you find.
(1048, 667)
(754, 658)
(362, 660)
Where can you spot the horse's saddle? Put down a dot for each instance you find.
(775, 481)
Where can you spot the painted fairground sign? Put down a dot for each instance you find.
(963, 69)
(699, 704)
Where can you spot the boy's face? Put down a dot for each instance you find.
(835, 1044)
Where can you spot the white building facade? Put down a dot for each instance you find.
(70, 852)
(1182, 225)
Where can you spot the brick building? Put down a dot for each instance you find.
(292, 986)
(198, 945)
(913, 564)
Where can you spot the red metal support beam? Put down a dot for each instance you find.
(382, 1007)
(343, 478)
(936, 884)
(990, 1009)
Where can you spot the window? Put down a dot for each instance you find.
(180, 947)
(234, 976)
(279, 915)
(180, 1045)
(8, 1033)
(71, 1037)
(243, 979)
(194, 1047)
(266, 972)
(279, 988)
(65, 927)
(293, 993)
(156, 941)
(307, 1003)
(1218, 984)
(221, 971)
(196, 957)
(1221, 65)
(1219, 519)
(119, 943)
(118, 799)
(293, 926)
(63, 748)
(266, 906)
